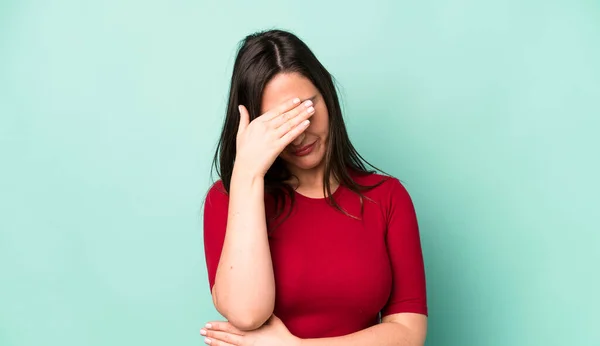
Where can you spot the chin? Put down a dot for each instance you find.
(305, 162)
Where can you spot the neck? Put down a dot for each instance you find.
(311, 179)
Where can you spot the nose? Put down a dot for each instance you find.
(296, 142)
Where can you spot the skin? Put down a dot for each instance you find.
(310, 168)
(246, 243)
(244, 290)
(403, 329)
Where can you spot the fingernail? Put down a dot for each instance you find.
(307, 103)
(240, 108)
(310, 109)
(208, 325)
(202, 332)
(207, 341)
(296, 100)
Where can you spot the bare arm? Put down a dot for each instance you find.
(244, 290)
(402, 329)
(409, 289)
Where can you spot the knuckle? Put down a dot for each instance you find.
(265, 125)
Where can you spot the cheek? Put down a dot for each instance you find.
(319, 123)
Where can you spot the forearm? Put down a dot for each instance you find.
(383, 334)
(244, 283)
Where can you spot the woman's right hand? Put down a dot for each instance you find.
(260, 142)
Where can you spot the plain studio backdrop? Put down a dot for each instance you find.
(488, 111)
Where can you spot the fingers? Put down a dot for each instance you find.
(295, 121)
(216, 338)
(223, 327)
(294, 132)
(221, 334)
(282, 108)
(285, 117)
(244, 118)
(216, 342)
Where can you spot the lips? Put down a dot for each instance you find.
(304, 150)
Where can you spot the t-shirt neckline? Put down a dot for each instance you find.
(302, 197)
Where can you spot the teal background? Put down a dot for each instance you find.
(488, 111)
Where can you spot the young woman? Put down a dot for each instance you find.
(304, 245)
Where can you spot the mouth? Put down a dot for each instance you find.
(305, 150)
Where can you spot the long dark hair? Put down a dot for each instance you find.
(260, 57)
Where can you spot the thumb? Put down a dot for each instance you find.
(275, 319)
(244, 118)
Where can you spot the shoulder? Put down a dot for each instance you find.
(217, 187)
(383, 186)
(216, 195)
(387, 192)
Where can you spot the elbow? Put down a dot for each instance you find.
(248, 323)
(242, 316)
(247, 320)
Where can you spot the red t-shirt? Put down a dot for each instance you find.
(334, 273)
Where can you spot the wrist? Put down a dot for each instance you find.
(244, 176)
(243, 172)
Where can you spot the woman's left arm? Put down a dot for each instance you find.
(402, 329)
(404, 321)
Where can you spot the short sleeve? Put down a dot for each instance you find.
(216, 205)
(404, 249)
